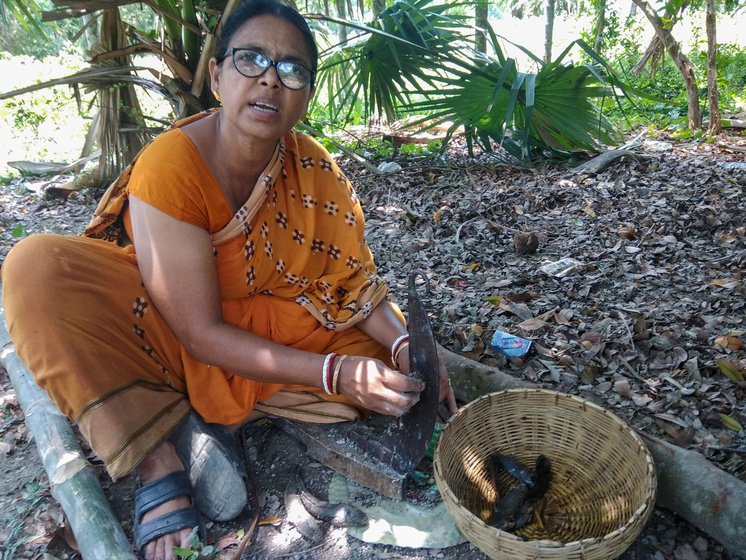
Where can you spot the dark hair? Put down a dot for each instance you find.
(254, 8)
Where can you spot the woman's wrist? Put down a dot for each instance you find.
(330, 372)
(327, 372)
(397, 346)
(335, 376)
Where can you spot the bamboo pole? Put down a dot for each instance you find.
(73, 482)
(688, 484)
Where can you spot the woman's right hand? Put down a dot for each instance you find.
(370, 384)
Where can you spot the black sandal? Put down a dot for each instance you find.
(216, 470)
(160, 491)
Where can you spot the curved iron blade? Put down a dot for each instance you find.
(408, 436)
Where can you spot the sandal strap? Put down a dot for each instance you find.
(187, 518)
(160, 491)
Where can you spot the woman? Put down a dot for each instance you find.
(240, 285)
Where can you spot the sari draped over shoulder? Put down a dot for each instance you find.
(293, 267)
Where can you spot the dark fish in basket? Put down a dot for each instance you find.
(541, 478)
(516, 508)
(514, 468)
(504, 514)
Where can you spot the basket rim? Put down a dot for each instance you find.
(558, 395)
(551, 545)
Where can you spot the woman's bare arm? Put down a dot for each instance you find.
(178, 269)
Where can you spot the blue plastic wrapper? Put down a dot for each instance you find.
(510, 345)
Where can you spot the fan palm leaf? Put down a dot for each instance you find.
(378, 68)
(414, 59)
(552, 110)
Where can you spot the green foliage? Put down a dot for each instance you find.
(611, 34)
(23, 12)
(378, 149)
(19, 231)
(375, 73)
(416, 59)
(196, 550)
(731, 69)
(528, 114)
(668, 106)
(684, 133)
(23, 32)
(45, 124)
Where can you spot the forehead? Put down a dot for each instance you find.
(277, 37)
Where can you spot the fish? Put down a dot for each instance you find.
(309, 527)
(518, 506)
(504, 514)
(524, 515)
(514, 468)
(541, 478)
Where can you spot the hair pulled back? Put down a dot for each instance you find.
(255, 8)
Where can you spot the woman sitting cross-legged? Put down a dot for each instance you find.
(225, 275)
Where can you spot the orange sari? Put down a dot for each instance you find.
(293, 267)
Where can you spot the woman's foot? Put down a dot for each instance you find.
(159, 463)
(206, 450)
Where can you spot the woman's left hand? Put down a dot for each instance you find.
(445, 392)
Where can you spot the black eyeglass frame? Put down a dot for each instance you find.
(276, 63)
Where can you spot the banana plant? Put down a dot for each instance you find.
(184, 43)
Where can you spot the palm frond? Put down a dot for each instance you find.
(25, 13)
(527, 114)
(389, 58)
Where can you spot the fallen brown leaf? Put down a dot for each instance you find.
(728, 283)
(622, 387)
(729, 342)
(532, 324)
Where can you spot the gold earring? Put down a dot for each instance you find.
(216, 95)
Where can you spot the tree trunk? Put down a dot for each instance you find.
(202, 73)
(121, 135)
(598, 30)
(481, 11)
(378, 6)
(549, 31)
(655, 51)
(712, 72)
(342, 13)
(682, 62)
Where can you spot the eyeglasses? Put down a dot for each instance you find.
(252, 64)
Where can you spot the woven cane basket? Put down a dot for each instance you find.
(603, 484)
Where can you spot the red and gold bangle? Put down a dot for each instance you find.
(397, 347)
(335, 377)
(399, 351)
(326, 372)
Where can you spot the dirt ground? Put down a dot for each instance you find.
(651, 325)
